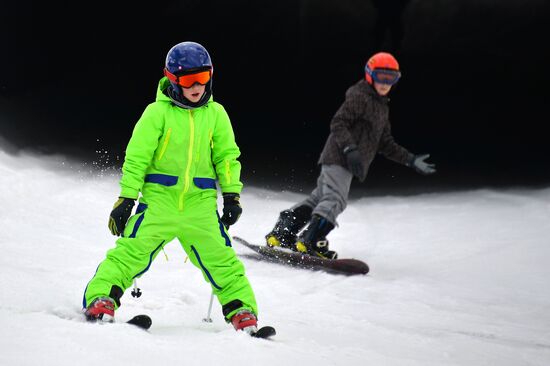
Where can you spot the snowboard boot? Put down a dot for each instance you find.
(246, 321)
(101, 309)
(313, 239)
(288, 225)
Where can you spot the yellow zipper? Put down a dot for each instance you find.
(189, 158)
(227, 172)
(165, 144)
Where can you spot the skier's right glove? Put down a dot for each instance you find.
(355, 162)
(120, 215)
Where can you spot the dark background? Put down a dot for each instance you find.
(474, 93)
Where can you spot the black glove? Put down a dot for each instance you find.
(120, 215)
(355, 162)
(417, 163)
(231, 209)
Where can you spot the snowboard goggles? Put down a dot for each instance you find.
(384, 76)
(189, 80)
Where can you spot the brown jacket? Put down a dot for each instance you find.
(362, 120)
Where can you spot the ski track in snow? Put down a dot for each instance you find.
(456, 279)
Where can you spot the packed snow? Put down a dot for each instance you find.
(456, 279)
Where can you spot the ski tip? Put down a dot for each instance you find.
(265, 332)
(143, 321)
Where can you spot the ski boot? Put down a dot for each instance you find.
(101, 309)
(313, 239)
(246, 321)
(288, 225)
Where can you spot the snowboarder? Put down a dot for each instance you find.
(180, 146)
(358, 131)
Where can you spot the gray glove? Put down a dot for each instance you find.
(355, 161)
(419, 164)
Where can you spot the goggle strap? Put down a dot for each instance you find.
(170, 76)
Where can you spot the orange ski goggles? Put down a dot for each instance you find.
(189, 80)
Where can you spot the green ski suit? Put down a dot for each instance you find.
(174, 158)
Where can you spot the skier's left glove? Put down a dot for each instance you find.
(231, 209)
(120, 215)
(418, 163)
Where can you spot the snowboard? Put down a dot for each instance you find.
(346, 266)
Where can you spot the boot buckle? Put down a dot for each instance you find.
(322, 244)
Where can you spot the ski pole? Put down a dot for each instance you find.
(136, 292)
(208, 319)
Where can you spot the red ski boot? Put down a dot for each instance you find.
(246, 321)
(102, 309)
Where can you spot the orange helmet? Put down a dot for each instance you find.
(383, 68)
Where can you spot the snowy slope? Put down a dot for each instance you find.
(456, 279)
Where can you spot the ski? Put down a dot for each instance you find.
(264, 332)
(141, 321)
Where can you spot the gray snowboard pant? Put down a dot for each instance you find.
(330, 197)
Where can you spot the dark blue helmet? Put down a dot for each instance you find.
(187, 58)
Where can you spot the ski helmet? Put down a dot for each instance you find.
(382, 68)
(188, 58)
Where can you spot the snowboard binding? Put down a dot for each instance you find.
(313, 239)
(289, 223)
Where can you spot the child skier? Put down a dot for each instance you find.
(359, 129)
(182, 143)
